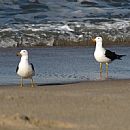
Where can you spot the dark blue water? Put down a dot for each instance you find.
(45, 22)
(62, 65)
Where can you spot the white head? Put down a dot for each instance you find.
(23, 53)
(98, 39)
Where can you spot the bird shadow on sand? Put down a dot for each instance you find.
(58, 83)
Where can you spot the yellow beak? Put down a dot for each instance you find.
(18, 54)
(94, 40)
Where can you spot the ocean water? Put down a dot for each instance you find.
(46, 22)
(62, 65)
(37, 23)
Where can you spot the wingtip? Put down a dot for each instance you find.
(120, 56)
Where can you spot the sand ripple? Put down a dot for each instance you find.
(24, 121)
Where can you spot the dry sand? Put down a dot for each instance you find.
(93, 105)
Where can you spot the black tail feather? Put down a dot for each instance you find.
(120, 56)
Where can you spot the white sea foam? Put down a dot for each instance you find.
(33, 34)
(29, 23)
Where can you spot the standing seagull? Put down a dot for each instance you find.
(103, 55)
(24, 68)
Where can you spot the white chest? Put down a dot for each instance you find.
(100, 56)
(24, 70)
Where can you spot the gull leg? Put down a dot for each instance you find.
(21, 82)
(32, 83)
(100, 70)
(106, 70)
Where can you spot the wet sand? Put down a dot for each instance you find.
(92, 105)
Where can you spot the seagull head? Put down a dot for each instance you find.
(22, 53)
(98, 40)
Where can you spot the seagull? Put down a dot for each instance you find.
(25, 69)
(103, 55)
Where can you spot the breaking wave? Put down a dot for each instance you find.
(61, 23)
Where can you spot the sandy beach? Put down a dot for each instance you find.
(92, 105)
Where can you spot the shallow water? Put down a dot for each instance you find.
(62, 65)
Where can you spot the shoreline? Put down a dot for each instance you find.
(59, 84)
(89, 105)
